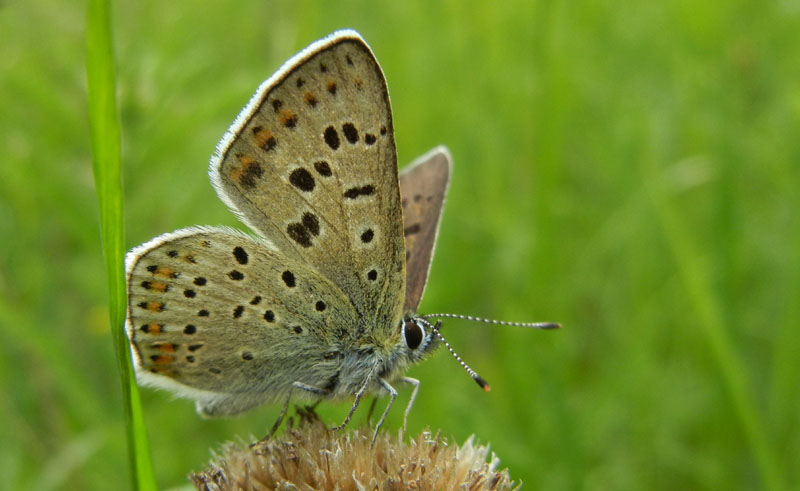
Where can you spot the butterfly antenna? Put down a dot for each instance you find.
(472, 373)
(534, 325)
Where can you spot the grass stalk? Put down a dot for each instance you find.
(105, 136)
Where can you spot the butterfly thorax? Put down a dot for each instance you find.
(386, 359)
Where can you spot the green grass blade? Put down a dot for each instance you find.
(694, 274)
(106, 152)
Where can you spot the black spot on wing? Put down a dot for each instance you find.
(310, 99)
(299, 233)
(311, 223)
(323, 168)
(302, 231)
(302, 179)
(331, 137)
(251, 169)
(155, 285)
(350, 132)
(357, 191)
(288, 119)
(240, 255)
(264, 139)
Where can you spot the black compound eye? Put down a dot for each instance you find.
(413, 334)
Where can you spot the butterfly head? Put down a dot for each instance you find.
(417, 338)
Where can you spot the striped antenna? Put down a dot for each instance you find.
(472, 373)
(534, 325)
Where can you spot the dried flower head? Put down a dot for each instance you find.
(310, 456)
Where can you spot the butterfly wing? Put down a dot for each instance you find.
(220, 317)
(310, 164)
(423, 187)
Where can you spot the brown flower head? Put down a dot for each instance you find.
(310, 456)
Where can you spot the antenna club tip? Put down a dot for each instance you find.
(552, 325)
(482, 383)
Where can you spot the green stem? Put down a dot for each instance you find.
(105, 136)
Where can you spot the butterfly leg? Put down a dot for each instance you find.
(415, 383)
(259, 444)
(279, 420)
(312, 389)
(371, 409)
(393, 395)
(359, 395)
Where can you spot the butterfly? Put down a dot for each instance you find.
(320, 301)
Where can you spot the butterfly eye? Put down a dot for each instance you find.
(413, 334)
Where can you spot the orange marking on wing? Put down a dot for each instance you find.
(236, 172)
(246, 161)
(287, 116)
(155, 328)
(155, 306)
(158, 286)
(163, 359)
(165, 272)
(166, 347)
(262, 137)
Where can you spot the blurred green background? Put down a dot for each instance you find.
(631, 172)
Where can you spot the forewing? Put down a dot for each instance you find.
(423, 187)
(214, 311)
(310, 164)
